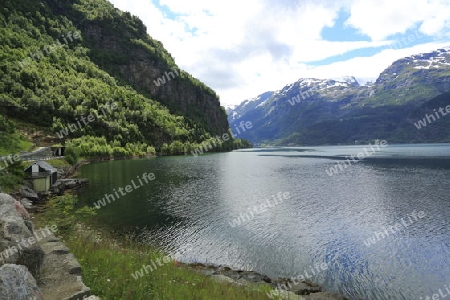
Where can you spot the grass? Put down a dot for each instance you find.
(108, 265)
(109, 261)
(58, 162)
(25, 145)
(13, 144)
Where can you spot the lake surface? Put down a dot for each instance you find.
(189, 209)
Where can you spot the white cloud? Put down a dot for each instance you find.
(368, 68)
(380, 19)
(244, 48)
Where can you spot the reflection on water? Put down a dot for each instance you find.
(326, 219)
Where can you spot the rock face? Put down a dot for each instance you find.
(18, 284)
(127, 52)
(142, 69)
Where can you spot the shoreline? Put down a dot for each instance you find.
(291, 290)
(281, 288)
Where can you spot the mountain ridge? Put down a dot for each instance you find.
(291, 114)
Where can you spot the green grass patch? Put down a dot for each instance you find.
(25, 145)
(108, 265)
(58, 163)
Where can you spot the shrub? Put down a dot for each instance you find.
(72, 155)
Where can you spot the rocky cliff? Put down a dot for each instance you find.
(119, 44)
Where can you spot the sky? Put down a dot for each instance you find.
(243, 48)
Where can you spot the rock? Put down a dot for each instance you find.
(249, 276)
(286, 295)
(29, 193)
(58, 188)
(55, 248)
(324, 296)
(298, 287)
(14, 236)
(61, 273)
(61, 185)
(223, 279)
(28, 204)
(29, 225)
(18, 284)
(6, 203)
(41, 255)
(81, 293)
(304, 289)
(71, 183)
(21, 210)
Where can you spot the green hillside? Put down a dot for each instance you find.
(52, 78)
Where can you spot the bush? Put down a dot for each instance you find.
(61, 210)
(72, 155)
(11, 177)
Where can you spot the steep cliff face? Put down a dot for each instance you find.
(119, 44)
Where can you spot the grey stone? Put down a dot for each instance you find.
(223, 278)
(82, 293)
(29, 193)
(18, 284)
(6, 204)
(61, 273)
(28, 204)
(13, 232)
(71, 183)
(304, 289)
(286, 295)
(55, 247)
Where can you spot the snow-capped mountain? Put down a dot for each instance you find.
(291, 114)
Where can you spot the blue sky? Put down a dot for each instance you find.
(244, 48)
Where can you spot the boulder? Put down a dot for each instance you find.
(29, 193)
(17, 283)
(15, 232)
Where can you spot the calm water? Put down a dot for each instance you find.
(188, 208)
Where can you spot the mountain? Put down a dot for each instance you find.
(340, 111)
(63, 61)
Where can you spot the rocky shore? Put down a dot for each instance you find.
(283, 288)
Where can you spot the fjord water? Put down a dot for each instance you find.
(190, 206)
